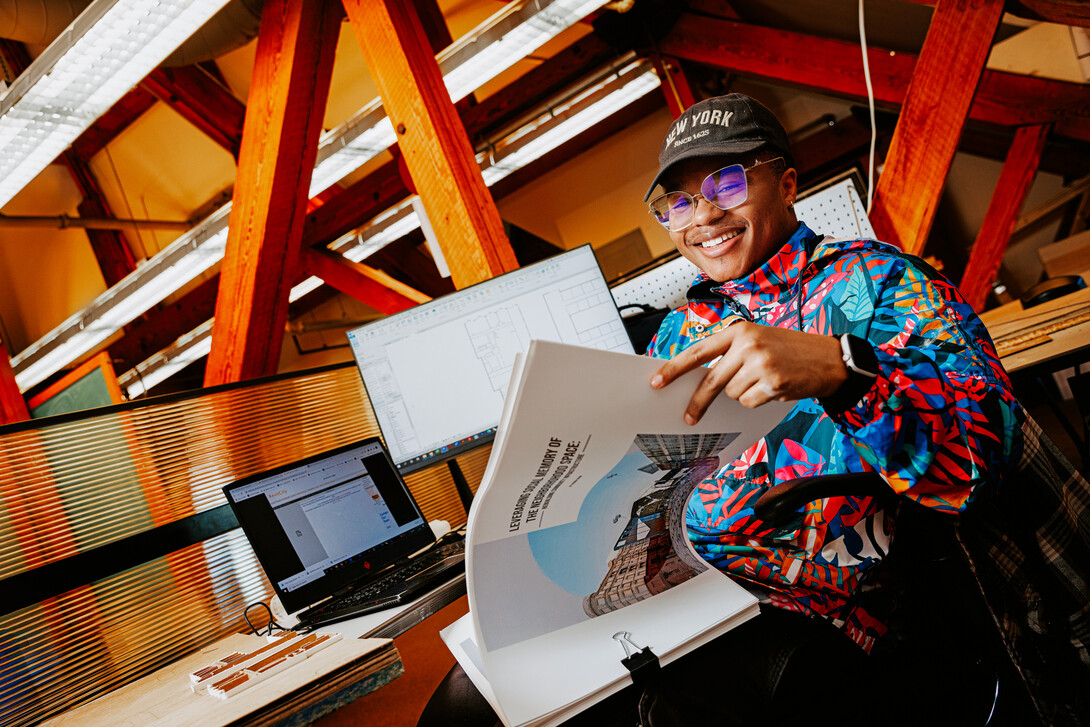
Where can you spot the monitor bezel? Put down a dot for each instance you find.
(488, 435)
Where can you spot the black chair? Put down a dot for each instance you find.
(1001, 593)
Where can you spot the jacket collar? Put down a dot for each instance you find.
(771, 282)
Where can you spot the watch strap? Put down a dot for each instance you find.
(862, 364)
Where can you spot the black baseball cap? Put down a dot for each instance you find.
(731, 124)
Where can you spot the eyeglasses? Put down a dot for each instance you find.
(724, 189)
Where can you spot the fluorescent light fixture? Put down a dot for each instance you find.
(175, 265)
(521, 148)
(190, 347)
(158, 368)
(106, 51)
(340, 152)
(525, 145)
(510, 35)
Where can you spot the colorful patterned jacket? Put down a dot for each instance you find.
(939, 424)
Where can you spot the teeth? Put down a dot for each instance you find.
(720, 240)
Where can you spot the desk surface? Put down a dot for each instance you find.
(300, 694)
(1051, 332)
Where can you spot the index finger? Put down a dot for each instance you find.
(696, 355)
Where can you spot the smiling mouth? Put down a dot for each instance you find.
(719, 240)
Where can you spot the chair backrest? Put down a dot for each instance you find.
(1029, 548)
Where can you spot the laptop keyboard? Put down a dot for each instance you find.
(418, 575)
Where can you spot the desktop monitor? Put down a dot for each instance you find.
(437, 373)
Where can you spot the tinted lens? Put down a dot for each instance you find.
(673, 210)
(725, 188)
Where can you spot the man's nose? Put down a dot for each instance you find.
(705, 211)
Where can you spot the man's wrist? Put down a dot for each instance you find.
(862, 368)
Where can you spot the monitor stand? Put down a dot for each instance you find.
(460, 483)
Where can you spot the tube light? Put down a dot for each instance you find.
(340, 152)
(106, 51)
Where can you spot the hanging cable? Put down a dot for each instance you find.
(870, 101)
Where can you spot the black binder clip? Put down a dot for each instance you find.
(642, 663)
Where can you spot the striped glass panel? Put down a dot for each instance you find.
(71, 486)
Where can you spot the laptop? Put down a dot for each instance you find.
(339, 535)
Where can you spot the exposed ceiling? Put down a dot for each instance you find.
(166, 154)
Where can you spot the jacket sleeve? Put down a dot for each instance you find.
(941, 419)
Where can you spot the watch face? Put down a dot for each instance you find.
(859, 356)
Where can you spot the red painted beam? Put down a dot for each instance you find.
(354, 205)
(1007, 200)
(111, 249)
(13, 406)
(112, 123)
(161, 327)
(943, 83)
(1064, 12)
(295, 51)
(675, 85)
(834, 67)
(200, 101)
(364, 283)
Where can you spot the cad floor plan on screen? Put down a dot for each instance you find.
(437, 374)
(498, 335)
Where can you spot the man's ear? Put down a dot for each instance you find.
(789, 186)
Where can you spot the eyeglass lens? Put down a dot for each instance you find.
(725, 188)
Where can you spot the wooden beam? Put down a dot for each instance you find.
(200, 101)
(13, 406)
(1007, 200)
(112, 123)
(295, 51)
(675, 85)
(1064, 12)
(923, 146)
(364, 283)
(547, 79)
(162, 326)
(434, 24)
(110, 247)
(432, 140)
(834, 67)
(354, 205)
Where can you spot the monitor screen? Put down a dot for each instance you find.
(437, 373)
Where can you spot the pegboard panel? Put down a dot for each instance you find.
(662, 287)
(836, 211)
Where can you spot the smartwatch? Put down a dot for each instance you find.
(858, 356)
(862, 363)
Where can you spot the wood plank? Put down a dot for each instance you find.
(298, 694)
(432, 139)
(923, 146)
(161, 327)
(995, 232)
(834, 67)
(363, 282)
(13, 406)
(295, 51)
(200, 101)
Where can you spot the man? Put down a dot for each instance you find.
(914, 393)
(891, 370)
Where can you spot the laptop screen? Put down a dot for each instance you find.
(321, 523)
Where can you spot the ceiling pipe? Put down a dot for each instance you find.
(38, 22)
(91, 223)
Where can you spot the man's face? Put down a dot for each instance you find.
(730, 244)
